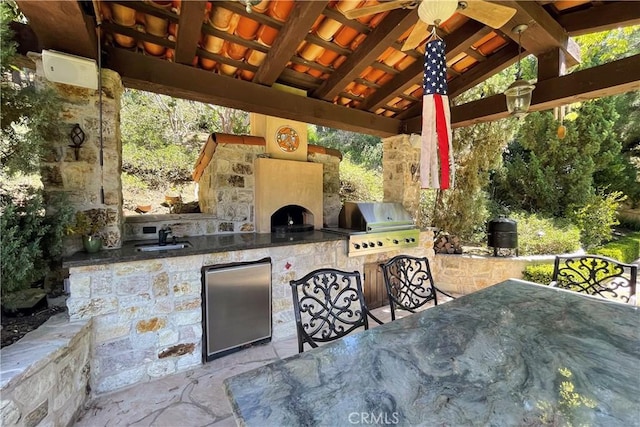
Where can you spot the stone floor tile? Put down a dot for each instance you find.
(286, 348)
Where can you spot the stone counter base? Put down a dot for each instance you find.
(147, 315)
(45, 375)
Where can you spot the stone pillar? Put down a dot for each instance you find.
(330, 187)
(401, 172)
(83, 178)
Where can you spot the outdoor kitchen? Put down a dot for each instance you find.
(258, 203)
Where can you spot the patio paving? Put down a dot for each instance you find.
(192, 398)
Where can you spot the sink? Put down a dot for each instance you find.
(156, 247)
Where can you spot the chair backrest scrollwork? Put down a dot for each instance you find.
(596, 275)
(328, 304)
(409, 283)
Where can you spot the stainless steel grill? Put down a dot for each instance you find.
(374, 227)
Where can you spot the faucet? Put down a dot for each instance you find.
(163, 233)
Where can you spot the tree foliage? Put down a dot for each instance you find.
(153, 121)
(31, 230)
(162, 136)
(463, 210)
(30, 116)
(365, 150)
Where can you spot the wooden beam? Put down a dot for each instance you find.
(497, 62)
(551, 64)
(543, 34)
(457, 42)
(191, 14)
(182, 81)
(392, 27)
(284, 47)
(604, 80)
(601, 17)
(61, 25)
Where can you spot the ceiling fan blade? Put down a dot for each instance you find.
(491, 14)
(370, 10)
(418, 34)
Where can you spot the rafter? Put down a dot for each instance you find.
(601, 17)
(396, 23)
(182, 81)
(188, 33)
(61, 25)
(457, 42)
(604, 80)
(497, 62)
(284, 47)
(543, 34)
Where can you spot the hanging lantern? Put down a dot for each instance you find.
(519, 97)
(436, 12)
(519, 93)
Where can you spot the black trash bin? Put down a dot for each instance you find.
(502, 233)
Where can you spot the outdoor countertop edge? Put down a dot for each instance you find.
(199, 245)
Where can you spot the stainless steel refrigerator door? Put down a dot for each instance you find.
(238, 305)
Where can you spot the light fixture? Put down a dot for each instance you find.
(77, 138)
(436, 12)
(519, 93)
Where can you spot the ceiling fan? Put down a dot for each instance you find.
(434, 12)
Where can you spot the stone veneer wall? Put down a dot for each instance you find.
(464, 274)
(225, 188)
(83, 179)
(147, 318)
(45, 374)
(401, 173)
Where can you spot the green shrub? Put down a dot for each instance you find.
(543, 236)
(31, 239)
(626, 249)
(597, 218)
(539, 273)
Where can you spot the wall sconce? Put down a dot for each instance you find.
(519, 93)
(77, 138)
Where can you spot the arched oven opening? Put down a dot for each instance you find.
(291, 219)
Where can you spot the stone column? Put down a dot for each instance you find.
(401, 172)
(83, 178)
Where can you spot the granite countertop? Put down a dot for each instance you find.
(515, 353)
(199, 245)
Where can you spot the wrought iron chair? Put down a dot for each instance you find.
(328, 304)
(409, 283)
(596, 275)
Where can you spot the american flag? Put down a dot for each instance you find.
(436, 157)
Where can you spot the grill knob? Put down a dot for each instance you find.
(372, 245)
(395, 241)
(356, 246)
(379, 243)
(364, 245)
(407, 240)
(413, 240)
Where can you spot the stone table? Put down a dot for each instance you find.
(515, 353)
